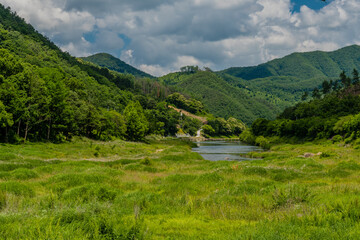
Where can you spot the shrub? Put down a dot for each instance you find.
(262, 142)
(247, 136)
(325, 155)
(336, 138)
(146, 161)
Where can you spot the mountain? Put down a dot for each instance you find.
(115, 64)
(49, 95)
(288, 77)
(303, 65)
(265, 90)
(221, 98)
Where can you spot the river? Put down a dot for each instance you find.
(224, 150)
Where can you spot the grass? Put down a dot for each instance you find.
(161, 190)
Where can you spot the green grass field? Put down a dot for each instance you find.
(161, 190)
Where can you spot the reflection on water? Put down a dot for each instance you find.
(224, 150)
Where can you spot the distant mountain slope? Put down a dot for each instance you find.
(264, 90)
(303, 65)
(221, 98)
(115, 64)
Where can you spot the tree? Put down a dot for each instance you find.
(136, 122)
(326, 87)
(304, 96)
(355, 74)
(335, 85)
(208, 130)
(316, 93)
(5, 119)
(345, 80)
(237, 126)
(190, 69)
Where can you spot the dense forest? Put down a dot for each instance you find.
(115, 64)
(46, 94)
(262, 91)
(332, 112)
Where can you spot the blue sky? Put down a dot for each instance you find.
(313, 4)
(160, 36)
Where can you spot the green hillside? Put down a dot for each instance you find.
(115, 64)
(287, 78)
(303, 65)
(265, 90)
(48, 95)
(223, 99)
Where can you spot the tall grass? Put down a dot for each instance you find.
(135, 191)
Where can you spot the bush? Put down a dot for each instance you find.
(208, 130)
(248, 137)
(146, 161)
(336, 138)
(262, 142)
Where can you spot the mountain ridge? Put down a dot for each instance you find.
(113, 63)
(263, 91)
(276, 67)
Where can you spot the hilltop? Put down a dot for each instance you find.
(305, 65)
(115, 64)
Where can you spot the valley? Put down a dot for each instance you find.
(88, 146)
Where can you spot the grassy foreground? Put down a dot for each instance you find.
(121, 190)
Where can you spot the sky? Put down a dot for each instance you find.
(160, 36)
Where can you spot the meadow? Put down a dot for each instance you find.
(88, 189)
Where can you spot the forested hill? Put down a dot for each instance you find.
(303, 65)
(265, 90)
(221, 98)
(48, 95)
(115, 64)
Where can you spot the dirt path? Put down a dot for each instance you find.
(202, 119)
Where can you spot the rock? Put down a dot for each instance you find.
(308, 155)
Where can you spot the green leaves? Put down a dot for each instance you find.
(5, 117)
(136, 123)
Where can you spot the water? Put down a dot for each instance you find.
(224, 150)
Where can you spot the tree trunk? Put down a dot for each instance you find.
(26, 130)
(18, 129)
(49, 129)
(6, 135)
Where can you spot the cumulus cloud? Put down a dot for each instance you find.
(159, 36)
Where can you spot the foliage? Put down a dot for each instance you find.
(45, 94)
(221, 98)
(115, 64)
(136, 122)
(247, 136)
(190, 105)
(334, 115)
(208, 130)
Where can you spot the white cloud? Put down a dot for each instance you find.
(155, 70)
(168, 34)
